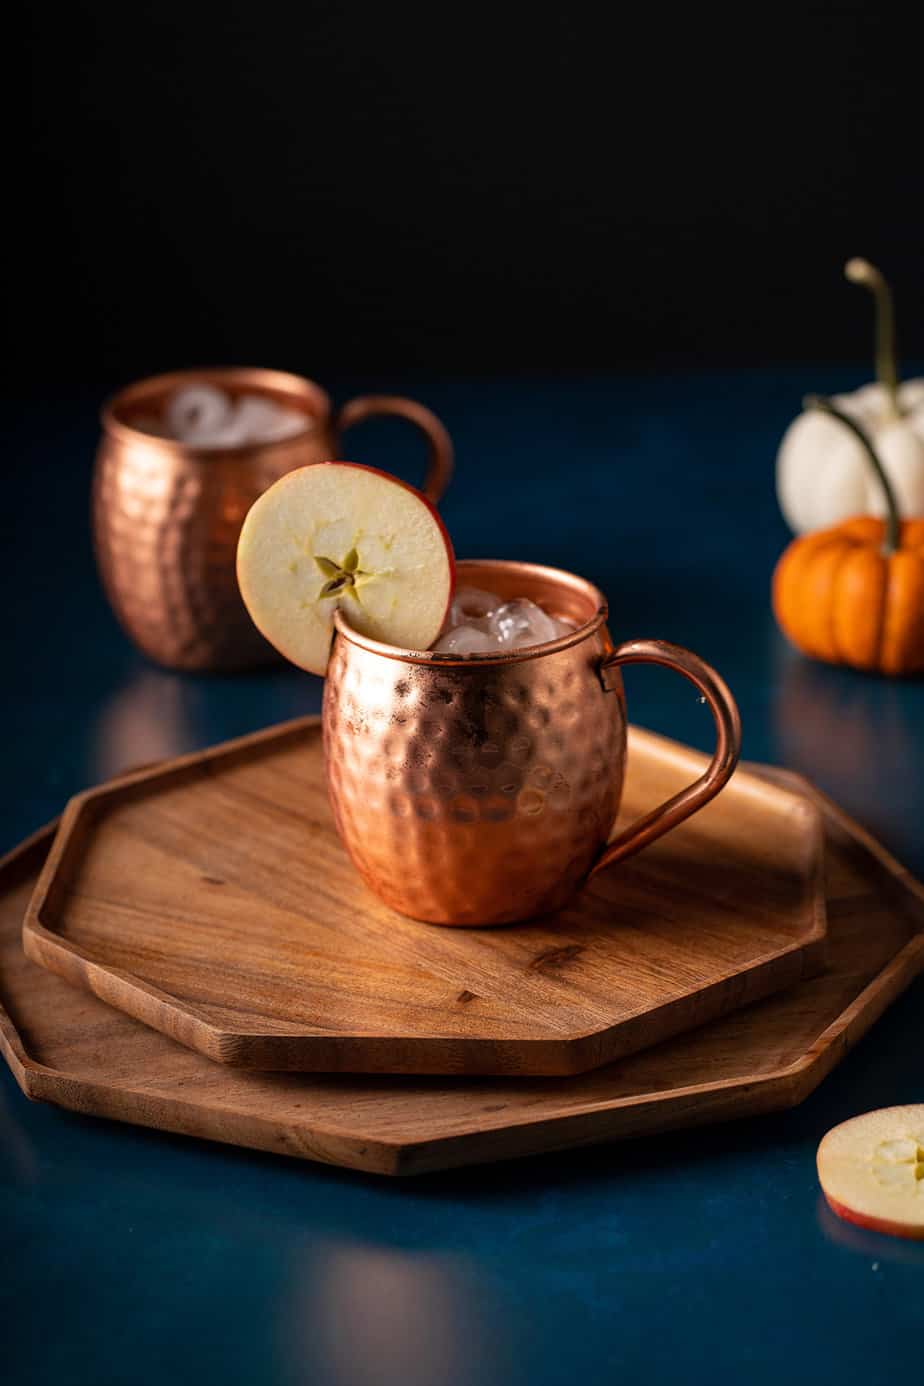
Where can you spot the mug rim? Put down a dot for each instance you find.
(443, 661)
(261, 378)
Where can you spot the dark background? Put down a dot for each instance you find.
(362, 185)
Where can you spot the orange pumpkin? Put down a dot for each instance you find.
(854, 594)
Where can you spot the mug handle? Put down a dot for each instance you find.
(440, 460)
(717, 774)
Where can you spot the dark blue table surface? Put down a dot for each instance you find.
(131, 1257)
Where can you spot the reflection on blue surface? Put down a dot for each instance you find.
(374, 1315)
(860, 737)
(18, 1156)
(880, 1251)
(155, 714)
(699, 1257)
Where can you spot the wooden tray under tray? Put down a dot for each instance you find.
(212, 899)
(65, 1046)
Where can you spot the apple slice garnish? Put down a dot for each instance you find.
(337, 534)
(871, 1170)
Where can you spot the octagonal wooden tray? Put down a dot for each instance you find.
(66, 1047)
(212, 899)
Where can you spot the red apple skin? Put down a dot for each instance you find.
(396, 481)
(852, 1159)
(891, 1229)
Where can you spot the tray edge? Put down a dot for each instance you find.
(542, 1056)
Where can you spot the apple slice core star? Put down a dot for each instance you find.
(338, 535)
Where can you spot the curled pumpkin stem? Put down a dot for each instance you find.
(893, 519)
(860, 271)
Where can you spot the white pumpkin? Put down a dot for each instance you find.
(821, 474)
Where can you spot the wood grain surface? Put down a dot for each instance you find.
(67, 1047)
(212, 899)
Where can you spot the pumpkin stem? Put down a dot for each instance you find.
(860, 271)
(893, 521)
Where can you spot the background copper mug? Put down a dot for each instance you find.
(483, 790)
(166, 516)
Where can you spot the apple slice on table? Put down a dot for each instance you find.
(337, 534)
(871, 1170)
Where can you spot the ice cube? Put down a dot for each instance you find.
(265, 421)
(230, 434)
(286, 424)
(200, 409)
(255, 414)
(471, 601)
(466, 640)
(521, 622)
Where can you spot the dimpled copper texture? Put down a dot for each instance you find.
(167, 517)
(474, 791)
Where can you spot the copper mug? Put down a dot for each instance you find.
(166, 515)
(483, 790)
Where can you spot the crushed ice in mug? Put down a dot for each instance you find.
(206, 417)
(483, 623)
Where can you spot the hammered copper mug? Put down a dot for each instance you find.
(483, 790)
(167, 516)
